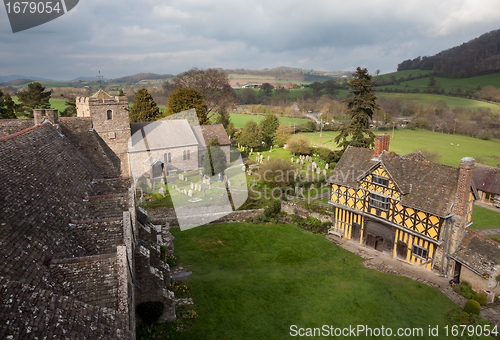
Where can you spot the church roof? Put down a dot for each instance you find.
(161, 135)
(101, 95)
(425, 185)
(205, 134)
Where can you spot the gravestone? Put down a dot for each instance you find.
(318, 170)
(268, 157)
(190, 193)
(162, 191)
(191, 185)
(297, 161)
(324, 172)
(291, 160)
(307, 177)
(242, 168)
(200, 176)
(308, 167)
(326, 166)
(302, 162)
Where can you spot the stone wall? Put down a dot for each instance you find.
(167, 215)
(295, 209)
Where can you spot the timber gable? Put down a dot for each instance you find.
(401, 204)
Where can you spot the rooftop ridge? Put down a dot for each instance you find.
(75, 117)
(2, 139)
(106, 196)
(109, 179)
(487, 238)
(97, 220)
(82, 259)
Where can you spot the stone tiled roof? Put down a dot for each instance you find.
(479, 253)
(28, 312)
(161, 135)
(48, 182)
(10, 126)
(486, 178)
(206, 133)
(425, 185)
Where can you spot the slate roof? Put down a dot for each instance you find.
(47, 182)
(486, 178)
(205, 133)
(478, 253)
(28, 312)
(425, 185)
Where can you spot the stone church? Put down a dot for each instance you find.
(77, 254)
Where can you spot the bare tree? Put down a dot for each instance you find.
(212, 83)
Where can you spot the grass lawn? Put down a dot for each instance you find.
(239, 120)
(406, 141)
(255, 281)
(484, 218)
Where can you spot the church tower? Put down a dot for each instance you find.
(110, 119)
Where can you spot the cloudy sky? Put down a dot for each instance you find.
(126, 37)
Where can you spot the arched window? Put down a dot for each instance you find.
(184, 155)
(109, 114)
(169, 158)
(188, 154)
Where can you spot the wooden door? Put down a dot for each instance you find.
(355, 231)
(401, 250)
(371, 240)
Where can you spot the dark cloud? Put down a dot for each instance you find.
(126, 37)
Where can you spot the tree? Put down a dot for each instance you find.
(283, 133)
(121, 93)
(317, 88)
(212, 83)
(361, 108)
(214, 160)
(224, 118)
(7, 107)
(250, 136)
(267, 88)
(33, 98)
(144, 108)
(299, 145)
(268, 127)
(70, 110)
(185, 99)
(331, 87)
(277, 173)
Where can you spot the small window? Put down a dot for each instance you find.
(188, 154)
(184, 155)
(109, 114)
(169, 158)
(379, 202)
(419, 251)
(380, 180)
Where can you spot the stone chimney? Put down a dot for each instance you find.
(52, 115)
(381, 144)
(465, 171)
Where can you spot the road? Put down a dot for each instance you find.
(314, 117)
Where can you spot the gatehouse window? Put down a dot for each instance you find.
(109, 114)
(379, 202)
(380, 180)
(419, 251)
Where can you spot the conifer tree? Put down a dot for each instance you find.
(70, 110)
(268, 127)
(361, 108)
(35, 97)
(7, 106)
(144, 108)
(184, 99)
(250, 135)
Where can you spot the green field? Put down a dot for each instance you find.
(484, 218)
(239, 120)
(446, 83)
(452, 102)
(406, 141)
(255, 281)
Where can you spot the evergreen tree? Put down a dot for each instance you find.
(187, 98)
(144, 108)
(268, 127)
(282, 134)
(250, 136)
(214, 160)
(70, 110)
(7, 106)
(361, 108)
(33, 98)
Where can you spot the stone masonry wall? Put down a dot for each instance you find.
(295, 209)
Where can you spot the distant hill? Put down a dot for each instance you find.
(4, 79)
(89, 79)
(140, 76)
(477, 57)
